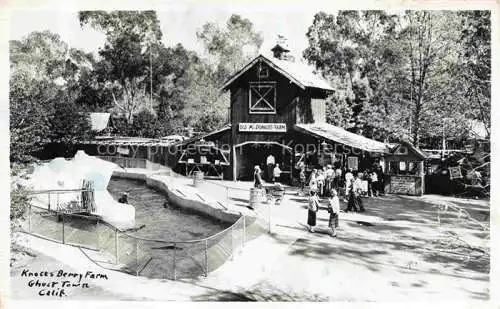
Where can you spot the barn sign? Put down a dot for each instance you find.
(262, 127)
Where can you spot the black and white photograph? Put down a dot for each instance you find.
(257, 152)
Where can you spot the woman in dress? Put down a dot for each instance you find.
(334, 210)
(312, 209)
(257, 177)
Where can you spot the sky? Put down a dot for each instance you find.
(178, 24)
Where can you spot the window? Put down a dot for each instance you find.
(262, 72)
(262, 98)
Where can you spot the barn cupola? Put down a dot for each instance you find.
(280, 50)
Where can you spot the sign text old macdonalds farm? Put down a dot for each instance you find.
(262, 127)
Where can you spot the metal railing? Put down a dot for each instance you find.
(65, 200)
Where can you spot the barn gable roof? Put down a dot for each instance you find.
(299, 73)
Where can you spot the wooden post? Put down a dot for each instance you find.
(29, 219)
(175, 249)
(235, 169)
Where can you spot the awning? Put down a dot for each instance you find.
(341, 136)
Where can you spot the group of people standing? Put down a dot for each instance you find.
(327, 182)
(327, 178)
(273, 172)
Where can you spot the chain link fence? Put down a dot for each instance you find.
(163, 259)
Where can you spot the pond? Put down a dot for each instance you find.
(162, 220)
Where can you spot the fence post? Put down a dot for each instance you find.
(244, 231)
(232, 242)
(136, 258)
(175, 249)
(116, 246)
(206, 258)
(29, 218)
(48, 198)
(269, 217)
(97, 235)
(63, 229)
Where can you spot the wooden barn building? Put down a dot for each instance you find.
(278, 108)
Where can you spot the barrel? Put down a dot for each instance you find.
(257, 196)
(197, 179)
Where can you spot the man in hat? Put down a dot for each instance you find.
(270, 161)
(124, 198)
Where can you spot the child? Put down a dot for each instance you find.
(334, 210)
(311, 211)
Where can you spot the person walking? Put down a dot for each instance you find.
(257, 177)
(380, 177)
(329, 179)
(368, 178)
(276, 173)
(321, 183)
(270, 161)
(334, 210)
(375, 184)
(312, 209)
(348, 182)
(358, 188)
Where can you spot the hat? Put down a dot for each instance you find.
(257, 168)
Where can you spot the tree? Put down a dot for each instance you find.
(349, 50)
(231, 48)
(227, 50)
(429, 38)
(43, 71)
(476, 66)
(126, 64)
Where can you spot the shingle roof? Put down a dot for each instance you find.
(339, 135)
(300, 73)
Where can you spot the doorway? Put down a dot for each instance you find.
(250, 154)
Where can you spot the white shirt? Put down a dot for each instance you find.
(357, 185)
(374, 177)
(338, 172)
(348, 177)
(334, 204)
(276, 171)
(330, 172)
(270, 159)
